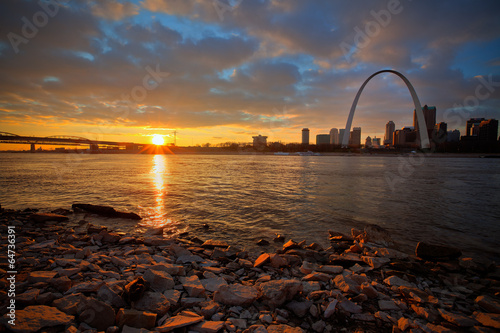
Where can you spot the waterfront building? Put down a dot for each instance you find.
(305, 136)
(259, 141)
(390, 127)
(368, 142)
(334, 136)
(322, 139)
(453, 136)
(355, 137)
(376, 142)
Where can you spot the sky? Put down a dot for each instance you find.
(217, 70)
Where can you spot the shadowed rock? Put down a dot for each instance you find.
(106, 211)
(436, 252)
(135, 289)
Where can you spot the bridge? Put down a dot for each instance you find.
(65, 140)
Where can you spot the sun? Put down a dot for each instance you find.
(158, 140)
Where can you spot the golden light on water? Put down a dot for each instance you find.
(158, 140)
(159, 171)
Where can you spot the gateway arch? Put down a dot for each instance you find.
(424, 137)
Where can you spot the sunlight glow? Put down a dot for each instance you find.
(158, 140)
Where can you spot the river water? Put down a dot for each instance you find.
(244, 198)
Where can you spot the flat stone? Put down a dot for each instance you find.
(488, 304)
(213, 284)
(169, 268)
(277, 292)
(307, 267)
(436, 252)
(404, 323)
(457, 319)
(173, 296)
(207, 327)
(283, 329)
(388, 305)
(128, 329)
(368, 290)
(316, 276)
(86, 287)
(153, 302)
(189, 302)
(236, 294)
(43, 245)
(177, 322)
(375, 262)
(290, 245)
(35, 317)
(44, 217)
(135, 318)
(438, 328)
(96, 314)
(488, 319)
(193, 286)
(349, 306)
(277, 261)
(189, 258)
(69, 304)
(29, 296)
(329, 269)
(41, 276)
(363, 317)
(395, 281)
(159, 280)
(346, 284)
(376, 234)
(299, 308)
(261, 260)
(212, 243)
(330, 309)
(390, 253)
(109, 296)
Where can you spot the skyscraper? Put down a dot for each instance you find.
(341, 135)
(334, 136)
(390, 127)
(488, 130)
(322, 139)
(430, 118)
(472, 126)
(305, 136)
(368, 142)
(441, 130)
(355, 136)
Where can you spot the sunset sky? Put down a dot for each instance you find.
(218, 71)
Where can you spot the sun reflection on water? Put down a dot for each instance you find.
(159, 172)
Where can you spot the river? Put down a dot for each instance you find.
(244, 198)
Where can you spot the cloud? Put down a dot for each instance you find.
(114, 10)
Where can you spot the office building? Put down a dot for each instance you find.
(341, 135)
(429, 116)
(472, 126)
(453, 136)
(368, 142)
(322, 139)
(259, 141)
(305, 136)
(355, 137)
(405, 137)
(441, 132)
(376, 142)
(334, 136)
(390, 127)
(488, 130)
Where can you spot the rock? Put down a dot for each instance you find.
(159, 280)
(28, 297)
(266, 318)
(283, 329)
(404, 323)
(290, 245)
(346, 284)
(44, 217)
(363, 317)
(69, 304)
(177, 322)
(43, 245)
(135, 289)
(35, 317)
(134, 318)
(330, 269)
(318, 326)
(207, 327)
(395, 281)
(236, 294)
(263, 242)
(153, 302)
(105, 211)
(488, 319)
(279, 239)
(299, 308)
(172, 296)
(277, 292)
(315, 276)
(169, 268)
(349, 306)
(368, 290)
(457, 319)
(307, 267)
(85, 287)
(96, 314)
(213, 284)
(330, 309)
(436, 252)
(277, 261)
(239, 323)
(430, 315)
(211, 243)
(109, 296)
(41, 276)
(390, 253)
(376, 234)
(488, 304)
(375, 262)
(261, 260)
(193, 286)
(128, 329)
(388, 305)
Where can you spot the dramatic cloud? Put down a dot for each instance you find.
(232, 69)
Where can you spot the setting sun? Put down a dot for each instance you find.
(158, 140)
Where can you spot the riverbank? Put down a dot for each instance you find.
(90, 279)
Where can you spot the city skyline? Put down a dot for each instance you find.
(130, 70)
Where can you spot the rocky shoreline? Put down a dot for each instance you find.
(90, 279)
